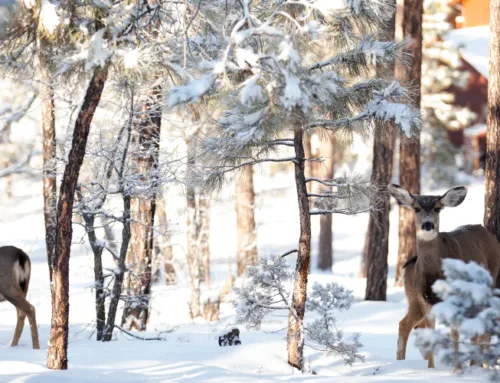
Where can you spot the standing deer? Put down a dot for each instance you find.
(15, 271)
(467, 243)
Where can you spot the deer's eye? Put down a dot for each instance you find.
(437, 210)
(417, 209)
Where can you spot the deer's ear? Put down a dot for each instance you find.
(401, 195)
(454, 196)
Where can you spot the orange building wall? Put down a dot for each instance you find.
(476, 12)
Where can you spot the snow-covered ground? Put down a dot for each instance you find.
(191, 353)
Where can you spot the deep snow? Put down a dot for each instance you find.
(191, 353)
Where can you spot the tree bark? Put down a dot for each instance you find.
(126, 233)
(295, 337)
(377, 241)
(409, 160)
(378, 227)
(325, 248)
(49, 154)
(192, 238)
(142, 210)
(308, 165)
(100, 299)
(245, 220)
(57, 357)
(492, 166)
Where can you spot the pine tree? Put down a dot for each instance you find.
(492, 195)
(409, 150)
(441, 69)
(276, 81)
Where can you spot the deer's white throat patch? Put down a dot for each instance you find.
(425, 235)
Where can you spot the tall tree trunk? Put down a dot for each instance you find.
(308, 165)
(57, 357)
(100, 299)
(49, 155)
(409, 154)
(377, 240)
(142, 210)
(378, 227)
(245, 220)
(203, 208)
(295, 337)
(164, 242)
(492, 197)
(192, 237)
(126, 233)
(325, 248)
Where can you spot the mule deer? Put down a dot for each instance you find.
(467, 243)
(15, 271)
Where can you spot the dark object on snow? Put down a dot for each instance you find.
(232, 338)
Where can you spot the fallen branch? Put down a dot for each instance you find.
(158, 337)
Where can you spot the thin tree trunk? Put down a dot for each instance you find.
(49, 155)
(204, 237)
(325, 247)
(165, 243)
(295, 337)
(192, 238)
(126, 233)
(245, 220)
(492, 166)
(409, 155)
(142, 209)
(100, 299)
(308, 165)
(377, 240)
(57, 357)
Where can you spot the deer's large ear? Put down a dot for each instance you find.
(401, 195)
(454, 196)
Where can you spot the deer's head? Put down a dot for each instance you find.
(427, 207)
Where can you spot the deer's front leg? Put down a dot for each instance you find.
(406, 325)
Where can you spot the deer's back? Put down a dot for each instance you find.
(473, 243)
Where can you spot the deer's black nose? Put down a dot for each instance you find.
(427, 226)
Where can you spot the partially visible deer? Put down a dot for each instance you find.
(467, 243)
(15, 271)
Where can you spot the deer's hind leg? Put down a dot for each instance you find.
(21, 316)
(18, 299)
(406, 325)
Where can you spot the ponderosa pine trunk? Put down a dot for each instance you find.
(377, 246)
(49, 154)
(409, 154)
(325, 245)
(245, 220)
(295, 336)
(57, 356)
(492, 167)
(165, 245)
(308, 165)
(193, 260)
(203, 212)
(142, 210)
(377, 240)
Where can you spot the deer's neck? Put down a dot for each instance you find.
(429, 254)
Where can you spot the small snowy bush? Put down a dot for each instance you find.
(267, 289)
(472, 307)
